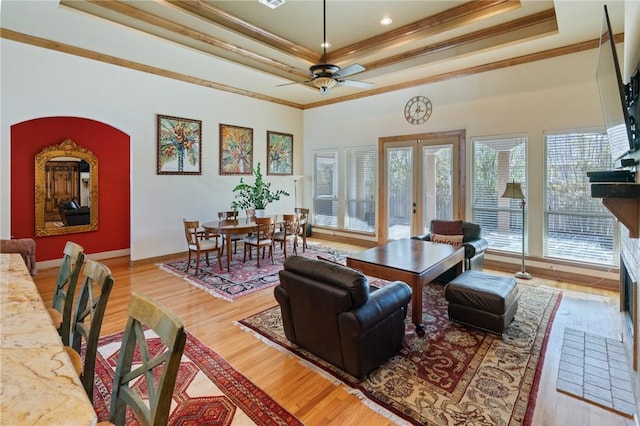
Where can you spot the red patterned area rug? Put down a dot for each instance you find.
(208, 390)
(454, 375)
(244, 277)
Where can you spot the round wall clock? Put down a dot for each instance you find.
(418, 110)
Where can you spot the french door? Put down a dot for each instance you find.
(422, 179)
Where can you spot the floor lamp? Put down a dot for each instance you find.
(296, 178)
(514, 190)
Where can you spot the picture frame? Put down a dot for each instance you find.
(236, 150)
(179, 146)
(279, 153)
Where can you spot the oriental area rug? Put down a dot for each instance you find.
(244, 278)
(453, 375)
(208, 390)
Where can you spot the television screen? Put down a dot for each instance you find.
(612, 96)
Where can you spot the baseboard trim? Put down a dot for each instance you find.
(558, 275)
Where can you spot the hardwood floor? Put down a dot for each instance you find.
(311, 398)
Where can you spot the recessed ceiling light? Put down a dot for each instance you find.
(386, 21)
(325, 44)
(272, 3)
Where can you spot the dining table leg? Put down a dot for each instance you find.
(228, 238)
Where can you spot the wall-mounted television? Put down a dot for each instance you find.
(614, 96)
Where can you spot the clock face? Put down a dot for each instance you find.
(418, 110)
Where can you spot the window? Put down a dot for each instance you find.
(496, 162)
(361, 172)
(577, 227)
(325, 188)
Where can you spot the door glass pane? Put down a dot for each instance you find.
(399, 192)
(437, 188)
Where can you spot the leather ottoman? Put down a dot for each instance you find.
(482, 300)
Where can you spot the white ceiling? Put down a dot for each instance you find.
(427, 41)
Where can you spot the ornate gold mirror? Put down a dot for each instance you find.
(66, 190)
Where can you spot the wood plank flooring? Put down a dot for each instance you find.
(311, 398)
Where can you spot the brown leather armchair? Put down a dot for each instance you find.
(329, 310)
(72, 214)
(472, 242)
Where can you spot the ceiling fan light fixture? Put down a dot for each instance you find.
(324, 82)
(272, 4)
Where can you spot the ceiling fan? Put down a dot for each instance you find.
(324, 76)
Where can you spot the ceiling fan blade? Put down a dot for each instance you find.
(355, 83)
(295, 82)
(350, 70)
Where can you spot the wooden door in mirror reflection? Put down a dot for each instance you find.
(63, 184)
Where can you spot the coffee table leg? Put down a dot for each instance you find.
(416, 306)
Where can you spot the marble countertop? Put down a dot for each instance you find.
(38, 384)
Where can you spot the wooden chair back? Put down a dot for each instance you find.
(89, 312)
(146, 312)
(303, 218)
(265, 227)
(228, 215)
(288, 232)
(65, 287)
(192, 233)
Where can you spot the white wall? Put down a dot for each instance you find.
(38, 83)
(554, 94)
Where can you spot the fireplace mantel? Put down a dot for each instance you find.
(623, 200)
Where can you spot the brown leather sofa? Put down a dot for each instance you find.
(330, 310)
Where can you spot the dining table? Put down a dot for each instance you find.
(229, 227)
(38, 384)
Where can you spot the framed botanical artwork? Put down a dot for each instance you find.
(179, 146)
(279, 153)
(236, 150)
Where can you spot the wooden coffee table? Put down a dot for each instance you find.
(415, 262)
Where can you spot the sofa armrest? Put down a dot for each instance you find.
(475, 247)
(381, 304)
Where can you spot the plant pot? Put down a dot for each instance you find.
(259, 212)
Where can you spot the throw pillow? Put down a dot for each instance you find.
(454, 240)
(446, 227)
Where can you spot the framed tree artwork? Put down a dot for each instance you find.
(179, 146)
(279, 153)
(236, 150)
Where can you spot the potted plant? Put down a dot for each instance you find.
(255, 196)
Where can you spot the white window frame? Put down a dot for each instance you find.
(365, 188)
(591, 249)
(321, 201)
(508, 212)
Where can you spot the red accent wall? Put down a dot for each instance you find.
(109, 145)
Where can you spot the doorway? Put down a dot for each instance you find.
(422, 177)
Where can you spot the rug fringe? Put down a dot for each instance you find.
(193, 283)
(335, 381)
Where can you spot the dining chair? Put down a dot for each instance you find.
(261, 238)
(231, 215)
(87, 320)
(288, 233)
(65, 288)
(303, 218)
(200, 242)
(158, 369)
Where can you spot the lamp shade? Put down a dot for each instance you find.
(513, 190)
(324, 82)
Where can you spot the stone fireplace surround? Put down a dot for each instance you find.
(630, 264)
